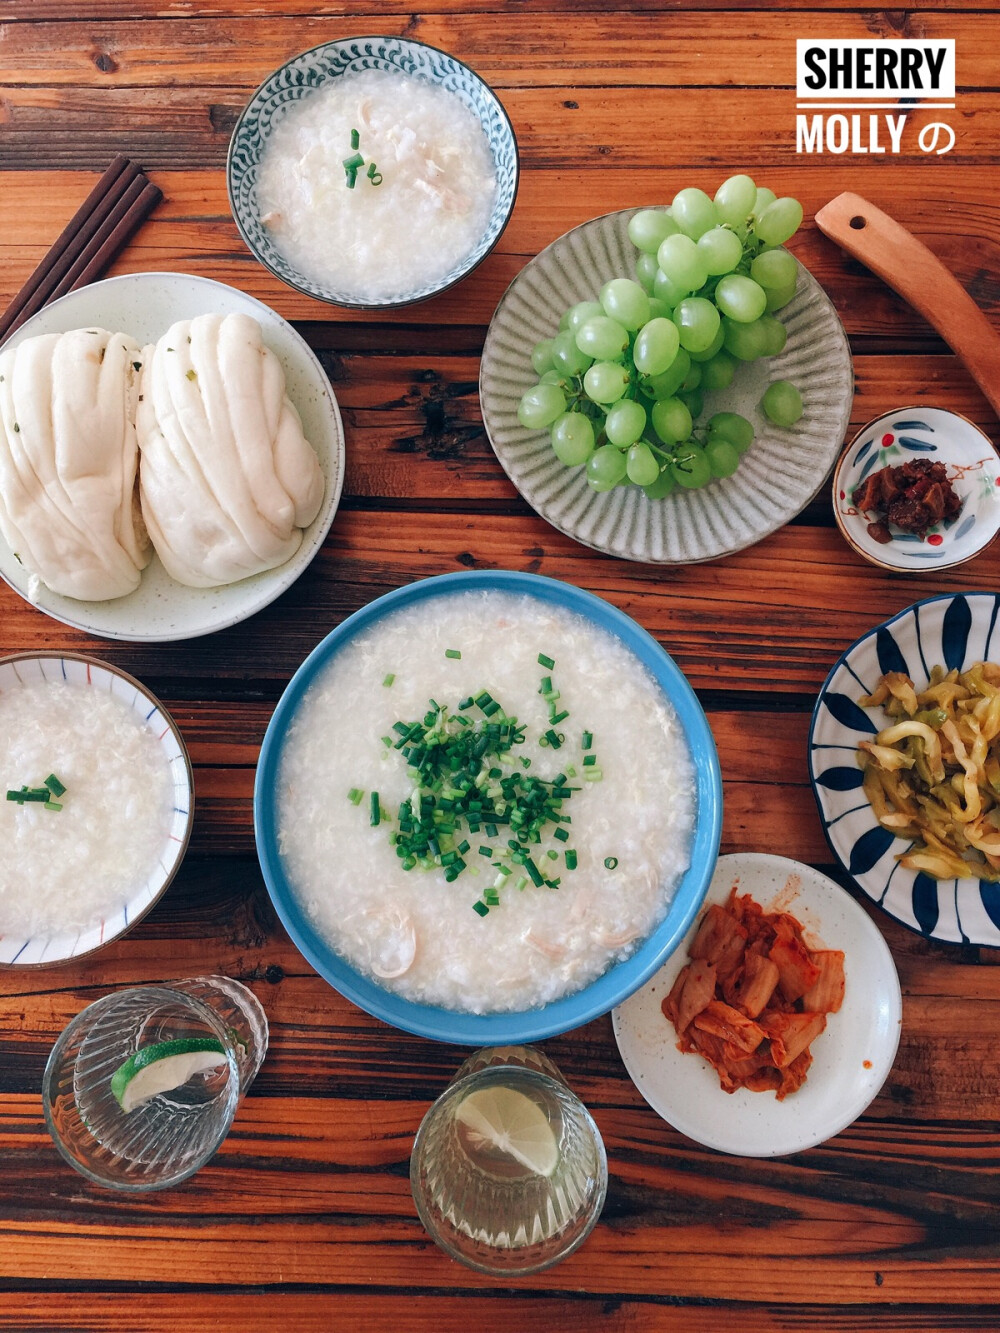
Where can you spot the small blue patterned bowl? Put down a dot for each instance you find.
(939, 436)
(300, 77)
(953, 630)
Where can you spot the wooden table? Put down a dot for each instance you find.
(304, 1220)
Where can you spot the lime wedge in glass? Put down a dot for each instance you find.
(163, 1067)
(508, 1122)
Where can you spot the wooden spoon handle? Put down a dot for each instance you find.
(906, 264)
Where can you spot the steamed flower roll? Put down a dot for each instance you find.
(68, 499)
(227, 478)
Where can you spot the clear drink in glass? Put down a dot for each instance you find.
(508, 1170)
(165, 1139)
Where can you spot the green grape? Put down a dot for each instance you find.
(540, 406)
(740, 298)
(662, 486)
(732, 427)
(646, 269)
(625, 422)
(641, 466)
(774, 269)
(734, 200)
(763, 200)
(718, 373)
(744, 341)
(776, 333)
(541, 356)
(694, 401)
(723, 457)
(680, 260)
(782, 403)
(606, 468)
(712, 347)
(573, 438)
(659, 309)
(779, 221)
(692, 379)
(721, 249)
(694, 212)
(625, 301)
(778, 297)
(691, 467)
(605, 382)
(566, 356)
(666, 291)
(656, 345)
(667, 384)
(649, 228)
(698, 322)
(581, 312)
(602, 338)
(671, 420)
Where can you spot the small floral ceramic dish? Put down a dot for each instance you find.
(934, 435)
(852, 1056)
(317, 68)
(90, 674)
(955, 630)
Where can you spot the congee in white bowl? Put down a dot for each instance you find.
(484, 806)
(97, 807)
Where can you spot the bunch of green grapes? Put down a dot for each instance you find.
(622, 384)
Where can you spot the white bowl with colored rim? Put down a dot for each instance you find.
(322, 66)
(939, 436)
(91, 673)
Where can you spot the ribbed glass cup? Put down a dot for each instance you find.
(484, 1207)
(166, 1139)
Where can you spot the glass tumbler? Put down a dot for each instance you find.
(165, 1139)
(508, 1169)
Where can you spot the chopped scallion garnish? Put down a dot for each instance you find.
(353, 162)
(588, 740)
(453, 652)
(389, 680)
(54, 785)
(547, 662)
(611, 863)
(376, 811)
(355, 139)
(570, 855)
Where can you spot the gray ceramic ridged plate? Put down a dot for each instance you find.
(776, 478)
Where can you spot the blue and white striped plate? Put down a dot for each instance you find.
(953, 630)
(33, 668)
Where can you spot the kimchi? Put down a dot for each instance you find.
(754, 996)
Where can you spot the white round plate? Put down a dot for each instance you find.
(851, 1058)
(777, 477)
(145, 305)
(937, 436)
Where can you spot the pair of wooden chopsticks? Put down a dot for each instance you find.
(115, 207)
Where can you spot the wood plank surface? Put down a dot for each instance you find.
(304, 1219)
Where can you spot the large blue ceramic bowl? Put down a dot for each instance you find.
(322, 65)
(620, 980)
(954, 630)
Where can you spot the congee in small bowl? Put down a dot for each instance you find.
(487, 807)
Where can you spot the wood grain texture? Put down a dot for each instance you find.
(304, 1219)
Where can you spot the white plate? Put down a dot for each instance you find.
(145, 305)
(777, 477)
(851, 1058)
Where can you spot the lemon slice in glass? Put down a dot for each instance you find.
(163, 1067)
(508, 1122)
